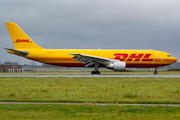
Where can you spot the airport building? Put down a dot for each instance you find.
(11, 68)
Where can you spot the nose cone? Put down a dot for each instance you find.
(174, 60)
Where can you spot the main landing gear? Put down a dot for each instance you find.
(96, 69)
(155, 72)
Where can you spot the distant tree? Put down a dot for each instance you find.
(10, 63)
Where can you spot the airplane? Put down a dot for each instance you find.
(117, 60)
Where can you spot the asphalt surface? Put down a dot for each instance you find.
(90, 76)
(101, 104)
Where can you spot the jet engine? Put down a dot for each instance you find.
(117, 66)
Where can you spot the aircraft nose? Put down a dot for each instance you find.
(174, 60)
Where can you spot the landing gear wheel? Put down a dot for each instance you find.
(97, 72)
(93, 72)
(155, 72)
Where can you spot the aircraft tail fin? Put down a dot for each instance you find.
(19, 37)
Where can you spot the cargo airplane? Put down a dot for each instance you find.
(116, 60)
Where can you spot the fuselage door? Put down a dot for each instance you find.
(158, 57)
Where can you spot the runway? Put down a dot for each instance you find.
(99, 104)
(170, 76)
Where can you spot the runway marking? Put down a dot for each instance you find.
(89, 75)
(99, 104)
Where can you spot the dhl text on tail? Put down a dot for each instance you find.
(116, 60)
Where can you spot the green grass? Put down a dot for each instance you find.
(91, 90)
(84, 112)
(105, 90)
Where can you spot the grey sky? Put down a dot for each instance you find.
(106, 24)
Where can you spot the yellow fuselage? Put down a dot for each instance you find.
(133, 58)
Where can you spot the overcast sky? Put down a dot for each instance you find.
(105, 24)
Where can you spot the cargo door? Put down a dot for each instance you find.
(158, 57)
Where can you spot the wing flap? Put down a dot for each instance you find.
(89, 60)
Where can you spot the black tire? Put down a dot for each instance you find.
(98, 72)
(155, 72)
(93, 72)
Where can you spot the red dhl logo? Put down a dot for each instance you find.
(133, 57)
(22, 41)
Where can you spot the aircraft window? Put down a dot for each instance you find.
(169, 56)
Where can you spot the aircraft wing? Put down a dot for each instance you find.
(89, 60)
(23, 53)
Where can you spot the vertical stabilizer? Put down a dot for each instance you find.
(19, 37)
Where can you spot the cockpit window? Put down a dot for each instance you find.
(169, 56)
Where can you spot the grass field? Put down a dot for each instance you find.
(91, 90)
(103, 90)
(87, 112)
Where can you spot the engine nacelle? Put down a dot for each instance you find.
(117, 66)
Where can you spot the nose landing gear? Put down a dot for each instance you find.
(155, 72)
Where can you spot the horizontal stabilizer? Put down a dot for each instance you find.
(23, 53)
